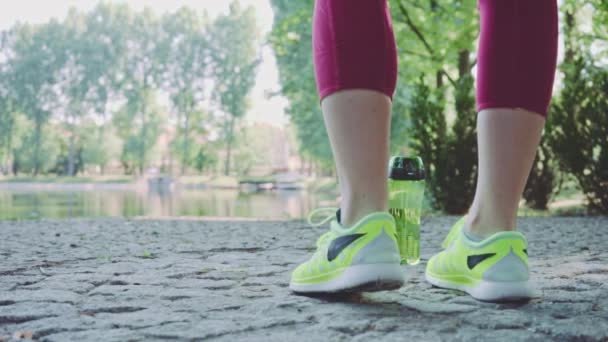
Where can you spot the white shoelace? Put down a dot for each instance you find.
(330, 214)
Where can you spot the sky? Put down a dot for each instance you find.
(262, 109)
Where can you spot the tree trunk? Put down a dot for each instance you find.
(101, 134)
(302, 164)
(144, 128)
(229, 146)
(309, 167)
(569, 45)
(186, 146)
(439, 79)
(463, 62)
(434, 6)
(37, 138)
(71, 155)
(15, 165)
(9, 150)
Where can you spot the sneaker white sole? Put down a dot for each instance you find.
(358, 278)
(489, 291)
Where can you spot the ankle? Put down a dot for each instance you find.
(482, 224)
(355, 206)
(352, 216)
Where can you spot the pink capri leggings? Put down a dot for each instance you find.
(354, 48)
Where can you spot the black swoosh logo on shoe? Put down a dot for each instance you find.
(473, 260)
(337, 245)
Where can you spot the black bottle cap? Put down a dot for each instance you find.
(406, 168)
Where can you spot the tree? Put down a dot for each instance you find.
(429, 137)
(424, 48)
(204, 159)
(580, 134)
(7, 108)
(448, 150)
(138, 122)
(104, 46)
(99, 144)
(291, 39)
(190, 133)
(461, 157)
(93, 45)
(186, 72)
(7, 129)
(28, 156)
(33, 57)
(234, 59)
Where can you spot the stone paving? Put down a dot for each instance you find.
(189, 280)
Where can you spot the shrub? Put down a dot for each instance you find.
(580, 137)
(450, 156)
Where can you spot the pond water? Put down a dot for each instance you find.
(37, 204)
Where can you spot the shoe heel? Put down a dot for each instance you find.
(372, 278)
(359, 278)
(502, 291)
(382, 250)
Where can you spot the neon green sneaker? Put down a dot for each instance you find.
(364, 257)
(495, 269)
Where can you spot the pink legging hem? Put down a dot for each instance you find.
(512, 105)
(323, 93)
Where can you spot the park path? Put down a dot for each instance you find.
(189, 280)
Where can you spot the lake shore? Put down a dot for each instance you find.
(199, 279)
(328, 185)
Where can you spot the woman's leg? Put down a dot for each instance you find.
(516, 67)
(358, 123)
(507, 141)
(356, 68)
(356, 71)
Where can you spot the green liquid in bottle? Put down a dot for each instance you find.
(406, 191)
(412, 241)
(408, 235)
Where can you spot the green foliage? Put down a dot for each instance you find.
(235, 62)
(16, 134)
(138, 123)
(460, 174)
(291, 39)
(204, 160)
(579, 116)
(435, 39)
(431, 34)
(99, 145)
(68, 160)
(7, 131)
(185, 145)
(186, 69)
(82, 81)
(256, 148)
(400, 120)
(545, 179)
(66, 75)
(29, 157)
(36, 53)
(429, 137)
(580, 138)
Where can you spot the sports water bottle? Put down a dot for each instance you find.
(406, 190)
